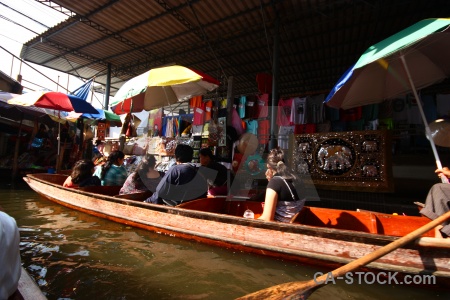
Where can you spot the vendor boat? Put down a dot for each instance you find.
(329, 237)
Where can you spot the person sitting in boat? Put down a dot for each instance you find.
(144, 178)
(438, 202)
(10, 263)
(217, 181)
(182, 182)
(82, 175)
(285, 193)
(113, 172)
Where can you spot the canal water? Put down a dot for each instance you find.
(72, 255)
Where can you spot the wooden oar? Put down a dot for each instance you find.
(303, 289)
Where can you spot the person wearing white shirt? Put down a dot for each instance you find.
(10, 264)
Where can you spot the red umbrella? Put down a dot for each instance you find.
(54, 100)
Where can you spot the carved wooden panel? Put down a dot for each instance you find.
(354, 160)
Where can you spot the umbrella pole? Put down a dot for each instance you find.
(422, 114)
(168, 103)
(59, 137)
(57, 164)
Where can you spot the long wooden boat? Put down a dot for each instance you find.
(27, 289)
(330, 237)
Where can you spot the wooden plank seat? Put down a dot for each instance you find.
(135, 196)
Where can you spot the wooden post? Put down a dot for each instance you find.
(60, 157)
(16, 150)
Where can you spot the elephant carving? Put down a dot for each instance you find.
(334, 157)
(369, 171)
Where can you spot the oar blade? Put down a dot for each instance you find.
(291, 290)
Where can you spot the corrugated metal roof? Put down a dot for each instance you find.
(318, 39)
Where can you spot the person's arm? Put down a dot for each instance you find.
(270, 205)
(68, 182)
(444, 172)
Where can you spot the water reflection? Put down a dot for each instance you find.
(77, 256)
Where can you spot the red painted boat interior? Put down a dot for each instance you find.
(363, 221)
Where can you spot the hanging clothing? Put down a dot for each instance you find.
(251, 110)
(283, 136)
(352, 114)
(222, 110)
(263, 106)
(208, 110)
(263, 131)
(315, 109)
(199, 115)
(241, 106)
(252, 126)
(298, 111)
(284, 112)
(196, 101)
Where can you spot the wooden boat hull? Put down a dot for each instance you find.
(298, 242)
(27, 289)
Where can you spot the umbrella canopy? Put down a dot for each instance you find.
(411, 59)
(380, 72)
(54, 100)
(101, 115)
(161, 87)
(16, 113)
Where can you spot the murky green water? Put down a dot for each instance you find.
(72, 255)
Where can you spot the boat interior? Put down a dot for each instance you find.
(361, 220)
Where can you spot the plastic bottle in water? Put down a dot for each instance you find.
(249, 214)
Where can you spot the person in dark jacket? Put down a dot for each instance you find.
(182, 182)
